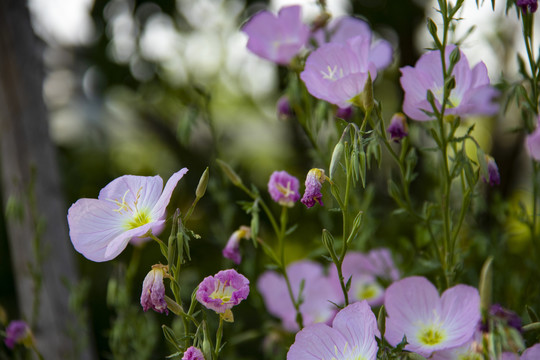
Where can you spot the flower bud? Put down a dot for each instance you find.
(398, 128)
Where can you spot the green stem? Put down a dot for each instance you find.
(219, 335)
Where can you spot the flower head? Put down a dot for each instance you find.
(153, 290)
(193, 353)
(352, 336)
(533, 142)
(17, 332)
(527, 5)
(398, 128)
(232, 249)
(337, 72)
(318, 294)
(430, 322)
(283, 188)
(223, 291)
(314, 180)
(472, 95)
(347, 27)
(277, 39)
(127, 209)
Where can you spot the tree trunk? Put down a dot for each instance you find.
(41, 253)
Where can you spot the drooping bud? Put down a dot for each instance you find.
(314, 181)
(398, 128)
(284, 110)
(232, 249)
(153, 291)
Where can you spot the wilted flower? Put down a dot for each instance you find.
(472, 95)
(277, 39)
(317, 294)
(314, 181)
(352, 336)
(232, 249)
(527, 5)
(283, 188)
(364, 271)
(153, 290)
(223, 291)
(127, 209)
(509, 317)
(492, 178)
(347, 27)
(430, 323)
(533, 142)
(17, 332)
(337, 72)
(193, 353)
(398, 128)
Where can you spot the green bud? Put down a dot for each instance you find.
(203, 183)
(450, 84)
(231, 174)
(455, 55)
(170, 336)
(367, 95)
(381, 320)
(328, 241)
(336, 156)
(486, 284)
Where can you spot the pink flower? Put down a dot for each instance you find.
(283, 188)
(430, 323)
(223, 291)
(277, 39)
(347, 27)
(318, 294)
(232, 249)
(337, 72)
(127, 209)
(17, 332)
(533, 142)
(153, 290)
(352, 336)
(193, 353)
(472, 95)
(314, 180)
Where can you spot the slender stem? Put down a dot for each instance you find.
(219, 335)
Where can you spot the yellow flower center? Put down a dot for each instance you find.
(431, 336)
(139, 217)
(222, 292)
(368, 292)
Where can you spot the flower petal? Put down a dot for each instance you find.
(358, 326)
(93, 224)
(317, 341)
(142, 191)
(460, 307)
(160, 206)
